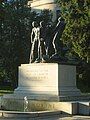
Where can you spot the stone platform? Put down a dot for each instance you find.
(48, 86)
(72, 107)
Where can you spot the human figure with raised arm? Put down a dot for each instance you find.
(58, 45)
(35, 42)
(57, 41)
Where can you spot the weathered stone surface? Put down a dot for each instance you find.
(47, 81)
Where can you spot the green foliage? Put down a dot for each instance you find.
(3, 74)
(15, 29)
(77, 33)
(15, 25)
(46, 15)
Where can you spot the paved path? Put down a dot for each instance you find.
(51, 118)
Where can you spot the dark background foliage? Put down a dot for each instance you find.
(77, 36)
(15, 29)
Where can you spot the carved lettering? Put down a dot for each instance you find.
(36, 74)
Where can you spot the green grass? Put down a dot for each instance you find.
(5, 92)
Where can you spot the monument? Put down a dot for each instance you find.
(46, 78)
(54, 80)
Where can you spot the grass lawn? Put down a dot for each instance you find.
(5, 92)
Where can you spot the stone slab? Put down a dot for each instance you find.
(34, 105)
(16, 114)
(71, 107)
(57, 117)
(82, 97)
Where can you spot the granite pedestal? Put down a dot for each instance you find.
(45, 81)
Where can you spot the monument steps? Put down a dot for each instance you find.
(16, 114)
(70, 107)
(82, 97)
(48, 87)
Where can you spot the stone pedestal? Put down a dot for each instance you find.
(47, 81)
(47, 86)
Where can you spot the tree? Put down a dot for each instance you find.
(15, 26)
(15, 29)
(77, 32)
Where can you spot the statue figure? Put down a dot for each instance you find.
(35, 42)
(57, 42)
(45, 40)
(48, 39)
(41, 37)
(58, 45)
(41, 45)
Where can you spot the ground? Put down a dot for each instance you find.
(51, 118)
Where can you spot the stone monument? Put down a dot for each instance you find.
(46, 80)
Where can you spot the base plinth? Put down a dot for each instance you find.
(47, 86)
(47, 81)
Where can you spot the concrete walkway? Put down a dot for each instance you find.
(61, 117)
(51, 115)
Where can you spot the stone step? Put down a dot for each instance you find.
(69, 107)
(53, 98)
(16, 114)
(83, 97)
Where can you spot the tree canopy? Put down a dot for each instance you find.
(15, 29)
(77, 33)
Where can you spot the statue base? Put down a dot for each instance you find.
(47, 86)
(47, 81)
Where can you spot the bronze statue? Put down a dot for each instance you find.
(41, 39)
(58, 45)
(41, 45)
(48, 39)
(57, 42)
(35, 42)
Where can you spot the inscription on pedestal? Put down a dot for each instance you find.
(36, 73)
(48, 79)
